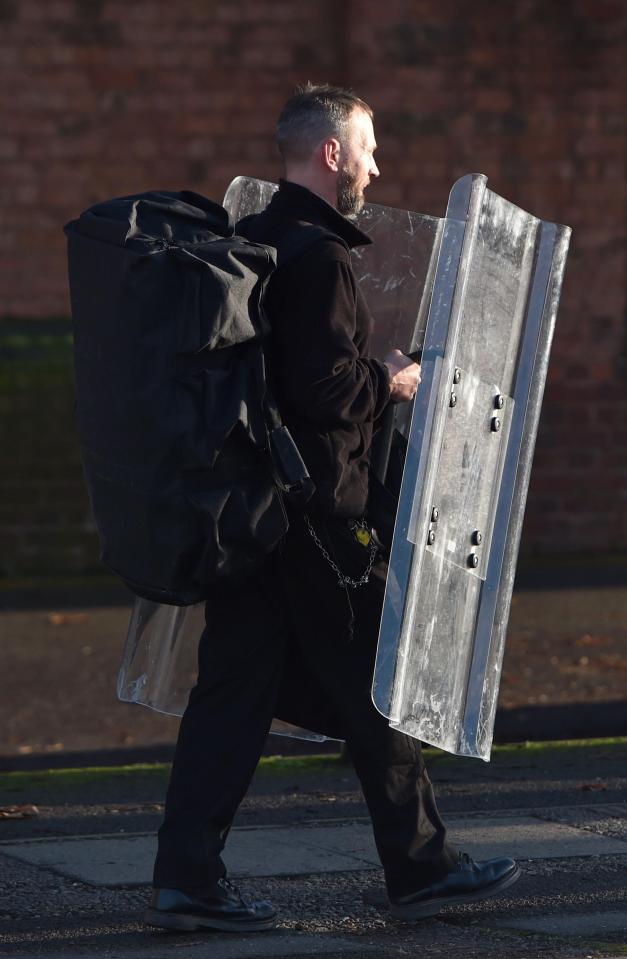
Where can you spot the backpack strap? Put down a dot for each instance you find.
(291, 474)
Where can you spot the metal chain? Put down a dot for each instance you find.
(342, 578)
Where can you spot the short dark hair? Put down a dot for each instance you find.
(314, 112)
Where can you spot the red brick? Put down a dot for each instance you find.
(533, 108)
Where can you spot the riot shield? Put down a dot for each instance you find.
(462, 499)
(159, 663)
(477, 293)
(160, 660)
(396, 274)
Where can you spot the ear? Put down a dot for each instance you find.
(331, 154)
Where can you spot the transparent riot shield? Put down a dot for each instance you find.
(396, 274)
(471, 441)
(160, 660)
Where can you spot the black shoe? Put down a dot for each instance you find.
(223, 908)
(469, 882)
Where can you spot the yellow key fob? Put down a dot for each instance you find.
(363, 536)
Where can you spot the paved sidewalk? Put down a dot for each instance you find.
(75, 874)
(345, 846)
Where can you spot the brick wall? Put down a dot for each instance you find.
(103, 97)
(45, 520)
(534, 94)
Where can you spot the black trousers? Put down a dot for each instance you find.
(251, 629)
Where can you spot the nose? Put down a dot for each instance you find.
(374, 169)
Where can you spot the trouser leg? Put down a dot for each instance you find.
(222, 732)
(338, 630)
(408, 830)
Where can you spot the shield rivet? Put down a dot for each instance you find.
(477, 537)
(431, 537)
(435, 514)
(499, 402)
(496, 424)
(453, 399)
(457, 375)
(473, 560)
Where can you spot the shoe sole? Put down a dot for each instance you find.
(422, 910)
(181, 922)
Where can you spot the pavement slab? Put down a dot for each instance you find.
(606, 819)
(117, 861)
(267, 945)
(590, 924)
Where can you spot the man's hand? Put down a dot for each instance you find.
(404, 376)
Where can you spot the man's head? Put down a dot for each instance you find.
(326, 138)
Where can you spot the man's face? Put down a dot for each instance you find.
(357, 163)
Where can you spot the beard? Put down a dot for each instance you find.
(350, 199)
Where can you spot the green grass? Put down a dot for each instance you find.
(289, 765)
(75, 777)
(564, 744)
(534, 750)
(286, 765)
(271, 765)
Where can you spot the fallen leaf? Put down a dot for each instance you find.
(588, 640)
(66, 619)
(613, 660)
(18, 812)
(592, 787)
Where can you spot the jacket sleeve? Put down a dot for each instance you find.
(322, 375)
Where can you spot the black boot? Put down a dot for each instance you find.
(469, 882)
(222, 908)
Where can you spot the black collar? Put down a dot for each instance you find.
(299, 203)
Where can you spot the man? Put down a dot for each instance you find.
(317, 602)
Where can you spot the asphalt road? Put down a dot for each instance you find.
(577, 902)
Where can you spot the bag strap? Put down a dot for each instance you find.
(291, 473)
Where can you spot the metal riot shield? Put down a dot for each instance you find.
(396, 273)
(471, 441)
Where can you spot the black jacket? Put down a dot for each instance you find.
(328, 388)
